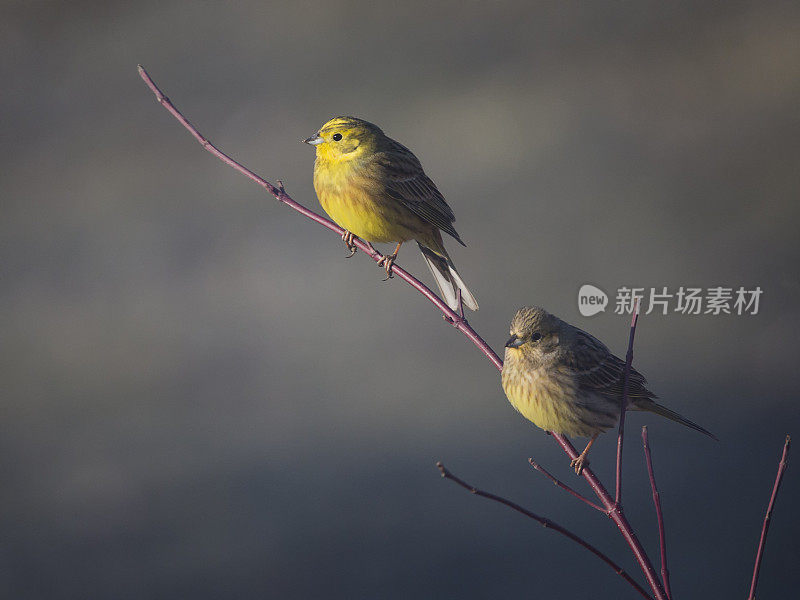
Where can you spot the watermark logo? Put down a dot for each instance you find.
(591, 300)
(719, 300)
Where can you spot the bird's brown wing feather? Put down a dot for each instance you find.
(601, 371)
(407, 183)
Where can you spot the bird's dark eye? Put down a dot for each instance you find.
(337, 137)
(536, 336)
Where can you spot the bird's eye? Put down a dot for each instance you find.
(536, 336)
(337, 137)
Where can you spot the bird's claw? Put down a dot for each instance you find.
(386, 262)
(347, 238)
(579, 463)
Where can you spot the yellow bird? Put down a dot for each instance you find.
(375, 188)
(566, 381)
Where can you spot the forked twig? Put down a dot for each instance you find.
(545, 522)
(662, 540)
(614, 512)
(768, 517)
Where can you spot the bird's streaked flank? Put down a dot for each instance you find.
(375, 188)
(565, 380)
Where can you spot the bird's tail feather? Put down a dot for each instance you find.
(448, 279)
(655, 407)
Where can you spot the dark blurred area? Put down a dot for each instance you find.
(202, 398)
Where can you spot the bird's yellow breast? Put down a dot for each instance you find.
(546, 397)
(356, 200)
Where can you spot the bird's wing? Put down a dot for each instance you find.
(406, 182)
(598, 370)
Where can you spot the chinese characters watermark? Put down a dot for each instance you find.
(718, 300)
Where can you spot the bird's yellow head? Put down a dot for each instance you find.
(534, 333)
(345, 138)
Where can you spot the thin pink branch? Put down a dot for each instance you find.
(662, 540)
(457, 321)
(623, 403)
(564, 486)
(545, 522)
(768, 517)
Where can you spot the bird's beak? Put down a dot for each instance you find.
(513, 342)
(314, 140)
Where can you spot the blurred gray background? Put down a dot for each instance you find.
(202, 398)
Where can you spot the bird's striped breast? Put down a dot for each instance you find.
(551, 400)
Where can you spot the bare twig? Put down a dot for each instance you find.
(662, 540)
(545, 522)
(623, 403)
(767, 518)
(457, 321)
(564, 486)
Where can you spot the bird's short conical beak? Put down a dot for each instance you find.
(513, 342)
(314, 140)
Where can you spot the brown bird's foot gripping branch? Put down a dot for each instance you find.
(347, 238)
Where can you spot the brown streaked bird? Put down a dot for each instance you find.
(565, 380)
(375, 188)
